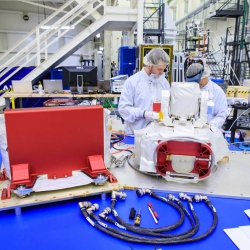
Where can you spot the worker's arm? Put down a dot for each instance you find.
(220, 109)
(127, 107)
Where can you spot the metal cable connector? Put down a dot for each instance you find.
(105, 212)
(118, 162)
(121, 160)
(184, 196)
(84, 204)
(198, 198)
(172, 198)
(120, 195)
(94, 207)
(142, 191)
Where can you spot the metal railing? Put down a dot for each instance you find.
(46, 38)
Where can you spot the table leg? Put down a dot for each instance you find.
(7, 103)
(234, 126)
(18, 211)
(20, 102)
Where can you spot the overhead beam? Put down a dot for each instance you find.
(41, 5)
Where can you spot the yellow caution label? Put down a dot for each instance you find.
(130, 188)
(238, 91)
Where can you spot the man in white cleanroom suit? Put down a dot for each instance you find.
(142, 89)
(197, 73)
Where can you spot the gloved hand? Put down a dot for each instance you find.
(151, 116)
(148, 115)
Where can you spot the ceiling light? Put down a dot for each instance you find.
(98, 35)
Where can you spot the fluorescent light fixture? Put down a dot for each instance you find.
(101, 48)
(98, 35)
(46, 27)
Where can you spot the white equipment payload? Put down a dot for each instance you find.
(183, 147)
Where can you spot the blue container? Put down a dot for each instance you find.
(127, 54)
(127, 69)
(127, 60)
(228, 137)
(56, 74)
(220, 82)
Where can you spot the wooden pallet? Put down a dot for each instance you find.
(34, 199)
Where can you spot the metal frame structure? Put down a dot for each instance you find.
(236, 51)
(143, 49)
(193, 42)
(153, 23)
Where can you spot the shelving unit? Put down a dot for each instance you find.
(236, 124)
(195, 41)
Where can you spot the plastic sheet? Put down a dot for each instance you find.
(146, 141)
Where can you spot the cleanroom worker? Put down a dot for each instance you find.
(197, 73)
(142, 89)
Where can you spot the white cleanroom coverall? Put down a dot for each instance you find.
(219, 115)
(138, 94)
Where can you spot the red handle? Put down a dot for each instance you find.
(150, 205)
(156, 215)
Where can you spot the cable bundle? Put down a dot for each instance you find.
(157, 235)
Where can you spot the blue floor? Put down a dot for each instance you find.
(61, 225)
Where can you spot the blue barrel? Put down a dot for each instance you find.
(220, 82)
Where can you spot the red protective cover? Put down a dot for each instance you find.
(56, 140)
(201, 151)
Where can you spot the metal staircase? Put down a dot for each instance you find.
(214, 66)
(101, 16)
(236, 48)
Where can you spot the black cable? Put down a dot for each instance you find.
(27, 100)
(194, 228)
(120, 149)
(186, 234)
(37, 102)
(132, 238)
(150, 231)
(143, 172)
(130, 246)
(121, 137)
